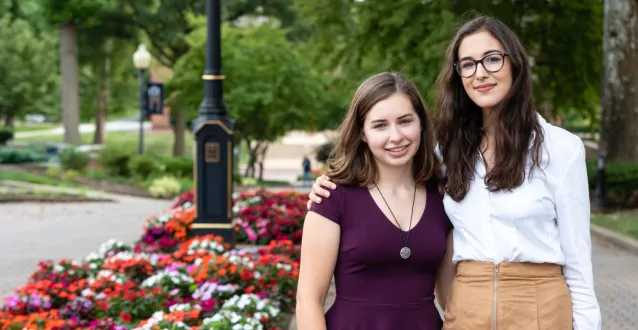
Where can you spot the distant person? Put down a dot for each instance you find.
(307, 168)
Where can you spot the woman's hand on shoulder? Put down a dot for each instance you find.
(320, 190)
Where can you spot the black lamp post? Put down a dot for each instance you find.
(213, 131)
(141, 60)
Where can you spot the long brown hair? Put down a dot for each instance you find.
(460, 121)
(351, 161)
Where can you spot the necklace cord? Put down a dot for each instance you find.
(405, 243)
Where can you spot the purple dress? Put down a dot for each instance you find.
(376, 288)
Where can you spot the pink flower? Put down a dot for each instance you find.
(251, 234)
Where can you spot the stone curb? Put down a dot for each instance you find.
(614, 238)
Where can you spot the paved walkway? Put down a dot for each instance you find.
(32, 232)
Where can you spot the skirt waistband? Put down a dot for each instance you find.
(508, 269)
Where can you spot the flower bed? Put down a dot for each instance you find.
(262, 216)
(167, 280)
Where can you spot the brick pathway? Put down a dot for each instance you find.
(616, 276)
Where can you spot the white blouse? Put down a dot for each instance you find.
(545, 220)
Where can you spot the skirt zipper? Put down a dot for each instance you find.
(495, 292)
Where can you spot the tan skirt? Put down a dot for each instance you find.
(512, 296)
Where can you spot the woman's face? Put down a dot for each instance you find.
(392, 130)
(488, 82)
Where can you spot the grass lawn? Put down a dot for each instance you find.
(31, 178)
(159, 142)
(34, 127)
(623, 222)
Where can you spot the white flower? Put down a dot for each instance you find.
(173, 276)
(184, 307)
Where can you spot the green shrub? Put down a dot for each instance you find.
(322, 153)
(142, 166)
(164, 187)
(6, 134)
(115, 158)
(70, 175)
(53, 171)
(73, 159)
(621, 182)
(21, 155)
(181, 167)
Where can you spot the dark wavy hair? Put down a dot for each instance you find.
(352, 162)
(460, 121)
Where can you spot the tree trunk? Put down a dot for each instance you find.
(252, 159)
(179, 130)
(70, 90)
(103, 96)
(619, 98)
(262, 158)
(8, 119)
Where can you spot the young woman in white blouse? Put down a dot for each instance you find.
(516, 192)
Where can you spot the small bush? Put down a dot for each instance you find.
(53, 171)
(6, 135)
(621, 182)
(115, 158)
(164, 187)
(322, 153)
(70, 175)
(73, 159)
(21, 155)
(142, 166)
(181, 167)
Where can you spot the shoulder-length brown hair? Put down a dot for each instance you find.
(351, 161)
(460, 121)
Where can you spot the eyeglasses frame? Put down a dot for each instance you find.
(477, 62)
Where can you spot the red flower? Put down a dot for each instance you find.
(126, 317)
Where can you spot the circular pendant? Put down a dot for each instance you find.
(405, 252)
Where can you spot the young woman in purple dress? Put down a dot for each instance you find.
(515, 189)
(383, 234)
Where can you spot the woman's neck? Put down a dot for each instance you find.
(395, 179)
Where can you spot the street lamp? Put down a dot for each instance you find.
(141, 60)
(213, 131)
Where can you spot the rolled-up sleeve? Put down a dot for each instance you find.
(573, 217)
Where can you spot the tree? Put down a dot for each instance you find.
(167, 37)
(619, 123)
(269, 88)
(359, 38)
(27, 70)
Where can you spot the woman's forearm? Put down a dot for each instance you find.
(310, 316)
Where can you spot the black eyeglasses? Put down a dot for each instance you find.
(491, 63)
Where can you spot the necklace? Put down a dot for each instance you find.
(405, 250)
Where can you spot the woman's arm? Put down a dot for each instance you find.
(573, 217)
(319, 249)
(445, 274)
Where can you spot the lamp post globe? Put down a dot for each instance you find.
(141, 57)
(141, 60)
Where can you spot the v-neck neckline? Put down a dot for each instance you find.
(392, 221)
